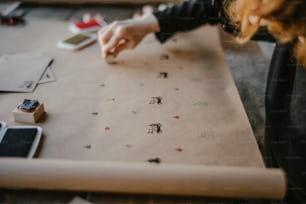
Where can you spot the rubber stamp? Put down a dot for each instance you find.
(111, 59)
(29, 111)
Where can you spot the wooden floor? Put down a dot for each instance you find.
(249, 68)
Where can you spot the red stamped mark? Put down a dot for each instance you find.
(179, 149)
(107, 128)
(111, 99)
(176, 117)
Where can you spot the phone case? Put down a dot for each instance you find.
(35, 142)
(72, 46)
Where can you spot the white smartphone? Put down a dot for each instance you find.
(77, 42)
(19, 141)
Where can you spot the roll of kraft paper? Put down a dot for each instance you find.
(143, 178)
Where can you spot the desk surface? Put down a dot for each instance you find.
(200, 112)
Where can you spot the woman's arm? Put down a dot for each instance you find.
(187, 16)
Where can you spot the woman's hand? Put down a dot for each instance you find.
(127, 34)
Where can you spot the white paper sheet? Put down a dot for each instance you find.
(21, 72)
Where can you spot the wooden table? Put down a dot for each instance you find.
(138, 72)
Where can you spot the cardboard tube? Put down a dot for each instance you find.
(143, 178)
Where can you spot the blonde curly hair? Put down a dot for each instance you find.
(285, 19)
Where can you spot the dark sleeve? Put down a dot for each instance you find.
(189, 15)
(263, 35)
(186, 16)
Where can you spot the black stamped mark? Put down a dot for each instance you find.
(156, 100)
(164, 57)
(163, 75)
(155, 128)
(154, 160)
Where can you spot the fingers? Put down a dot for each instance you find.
(105, 34)
(111, 38)
(125, 34)
(122, 46)
(117, 38)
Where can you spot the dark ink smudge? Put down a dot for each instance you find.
(88, 146)
(155, 160)
(163, 75)
(155, 127)
(164, 57)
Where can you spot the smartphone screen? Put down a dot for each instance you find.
(77, 39)
(17, 142)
